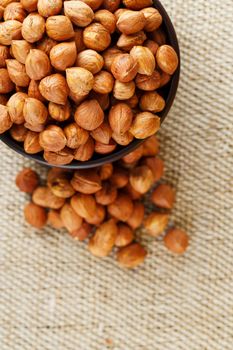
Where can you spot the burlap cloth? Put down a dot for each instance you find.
(55, 296)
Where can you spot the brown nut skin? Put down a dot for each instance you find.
(59, 28)
(109, 55)
(153, 19)
(131, 22)
(96, 37)
(44, 197)
(120, 177)
(61, 187)
(107, 19)
(84, 205)
(107, 195)
(52, 139)
(156, 165)
(111, 5)
(27, 180)
(105, 171)
(34, 111)
(79, 13)
(17, 73)
(132, 192)
(151, 147)
(46, 44)
(141, 179)
(4, 55)
(123, 91)
(62, 157)
(78, 39)
(37, 64)
(14, 11)
(86, 181)
(82, 233)
(35, 215)
(47, 8)
(58, 112)
(54, 88)
(167, 59)
(131, 256)
(79, 80)
(54, 219)
(122, 208)
(102, 148)
(71, 220)
(5, 120)
(132, 102)
(133, 156)
(119, 12)
(127, 42)
(53, 173)
(102, 134)
(120, 118)
(85, 152)
(153, 46)
(137, 216)
(75, 135)
(137, 4)
(29, 5)
(89, 115)
(99, 216)
(63, 55)
(94, 4)
(15, 106)
(145, 59)
(6, 85)
(123, 139)
(18, 132)
(148, 83)
(35, 127)
(176, 240)
(10, 30)
(90, 60)
(164, 78)
(20, 49)
(3, 99)
(156, 223)
(163, 196)
(31, 143)
(33, 27)
(152, 102)
(104, 82)
(103, 99)
(124, 68)
(34, 92)
(125, 236)
(158, 36)
(144, 125)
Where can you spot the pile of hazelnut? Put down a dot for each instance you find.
(81, 77)
(105, 204)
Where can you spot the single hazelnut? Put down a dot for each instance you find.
(135, 195)
(131, 256)
(120, 118)
(119, 178)
(176, 240)
(17, 73)
(31, 143)
(137, 4)
(99, 216)
(34, 127)
(85, 152)
(156, 165)
(44, 197)
(59, 28)
(102, 148)
(167, 59)
(144, 125)
(89, 115)
(152, 102)
(3, 99)
(34, 111)
(59, 112)
(124, 68)
(141, 179)
(79, 13)
(153, 19)
(78, 39)
(4, 55)
(109, 55)
(148, 83)
(84, 205)
(54, 88)
(54, 219)
(133, 156)
(27, 180)
(5, 120)
(131, 22)
(96, 37)
(34, 92)
(163, 196)
(86, 181)
(82, 233)
(164, 79)
(153, 46)
(18, 132)
(63, 55)
(107, 19)
(15, 106)
(103, 99)
(127, 42)
(61, 187)
(35, 215)
(63, 157)
(122, 208)
(47, 8)
(90, 60)
(79, 80)
(29, 5)
(6, 85)
(37, 64)
(107, 194)
(123, 91)
(156, 223)
(46, 44)
(10, 30)
(94, 4)
(33, 27)
(75, 135)
(106, 171)
(14, 11)
(102, 134)
(20, 49)
(70, 219)
(137, 216)
(145, 59)
(151, 147)
(104, 82)
(111, 5)
(125, 236)
(52, 139)
(123, 139)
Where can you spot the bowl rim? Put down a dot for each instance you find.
(112, 157)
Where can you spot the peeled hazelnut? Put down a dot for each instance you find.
(85, 152)
(20, 49)
(5, 120)
(123, 91)
(52, 139)
(75, 135)
(59, 28)
(96, 37)
(153, 19)
(84, 205)
(141, 179)
(164, 79)
(176, 240)
(109, 55)
(153, 46)
(27, 180)
(54, 219)
(31, 143)
(14, 11)
(6, 84)
(156, 223)
(35, 215)
(33, 90)
(46, 44)
(82, 233)
(152, 102)
(104, 82)
(156, 165)
(167, 59)
(86, 181)
(33, 27)
(124, 68)
(15, 106)
(163, 196)
(44, 197)
(47, 8)
(102, 134)
(34, 127)
(127, 42)
(119, 178)
(148, 83)
(125, 236)
(37, 64)
(17, 73)
(4, 54)
(133, 156)
(18, 132)
(34, 111)
(54, 88)
(63, 55)
(145, 59)
(106, 195)
(151, 147)
(123, 139)
(61, 187)
(78, 39)
(71, 220)
(94, 4)
(90, 60)
(79, 80)
(122, 208)
(3, 99)
(99, 216)
(137, 216)
(79, 13)
(131, 256)
(106, 171)
(120, 118)
(101, 244)
(107, 19)
(132, 192)
(131, 22)
(63, 157)
(89, 115)
(144, 125)
(111, 5)
(10, 30)
(59, 112)
(102, 148)
(29, 5)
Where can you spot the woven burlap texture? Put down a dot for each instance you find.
(55, 296)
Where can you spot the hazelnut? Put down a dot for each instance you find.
(107, 19)
(37, 64)
(127, 42)
(27, 180)
(106, 171)
(125, 236)
(18, 132)
(10, 30)
(78, 39)
(54, 173)
(3, 99)
(124, 68)
(35, 127)
(96, 37)
(14, 11)
(141, 179)
(61, 187)
(153, 19)
(79, 80)
(104, 82)
(54, 88)
(123, 91)
(82, 233)
(59, 112)
(63, 55)
(6, 84)
(94, 4)
(119, 12)
(70, 219)
(152, 102)
(102, 134)
(101, 244)
(167, 59)
(123, 139)
(75, 135)
(156, 223)
(5, 120)
(163, 196)
(131, 22)
(111, 5)
(132, 193)
(148, 83)
(103, 99)
(144, 125)
(31, 143)
(35, 215)
(44, 197)
(102, 148)
(29, 5)
(20, 49)
(156, 165)
(79, 13)
(4, 54)
(153, 46)
(120, 118)
(59, 28)
(137, 4)
(132, 102)
(131, 256)
(106, 195)
(46, 44)
(62, 157)
(119, 178)
(47, 8)
(122, 208)
(109, 55)
(15, 106)
(151, 147)
(99, 216)
(54, 219)
(34, 111)
(33, 27)
(133, 156)
(17, 73)
(90, 60)
(34, 92)
(158, 36)
(89, 115)
(137, 216)
(176, 240)
(145, 59)
(84, 205)
(52, 139)
(164, 79)
(85, 152)
(86, 181)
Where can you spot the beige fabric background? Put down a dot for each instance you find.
(55, 296)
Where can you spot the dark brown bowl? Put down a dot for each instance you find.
(169, 93)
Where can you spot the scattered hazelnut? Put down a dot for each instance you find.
(27, 180)
(123, 91)
(15, 106)
(151, 147)
(79, 80)
(4, 55)
(17, 73)
(164, 196)
(106, 171)
(109, 55)
(152, 102)
(79, 13)
(141, 179)
(46, 44)
(96, 37)
(137, 4)
(44, 197)
(63, 55)
(86, 181)
(120, 118)
(75, 135)
(20, 49)
(54, 88)
(59, 28)
(122, 208)
(10, 30)
(107, 195)
(54, 219)
(167, 59)
(137, 216)
(131, 256)
(35, 215)
(144, 125)
(82, 233)
(5, 120)
(34, 92)
(156, 223)
(111, 5)
(52, 139)
(34, 111)
(124, 236)
(33, 28)
(133, 156)
(124, 68)
(127, 42)
(120, 177)
(156, 165)
(148, 83)
(84, 205)
(6, 84)
(85, 152)
(61, 187)
(145, 59)
(14, 11)
(90, 60)
(70, 219)
(89, 115)
(47, 8)
(153, 19)
(176, 240)
(18, 132)
(31, 143)
(99, 216)
(131, 22)
(63, 157)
